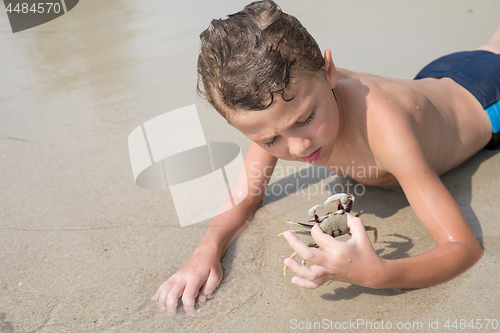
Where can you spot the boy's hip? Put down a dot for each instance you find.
(479, 73)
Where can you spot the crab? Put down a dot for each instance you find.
(333, 223)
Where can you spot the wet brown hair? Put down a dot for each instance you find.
(249, 57)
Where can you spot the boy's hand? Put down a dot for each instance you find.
(198, 277)
(354, 261)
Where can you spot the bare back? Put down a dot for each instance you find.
(449, 122)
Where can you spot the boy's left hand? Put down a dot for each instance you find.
(354, 261)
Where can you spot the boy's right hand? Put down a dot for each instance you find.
(198, 277)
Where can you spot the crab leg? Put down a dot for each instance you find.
(375, 232)
(309, 224)
(300, 232)
(313, 244)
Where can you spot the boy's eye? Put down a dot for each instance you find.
(307, 121)
(270, 143)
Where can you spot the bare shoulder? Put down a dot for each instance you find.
(383, 102)
(390, 122)
(382, 120)
(437, 116)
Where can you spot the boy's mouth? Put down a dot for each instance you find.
(313, 157)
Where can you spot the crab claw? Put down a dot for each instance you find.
(312, 211)
(340, 197)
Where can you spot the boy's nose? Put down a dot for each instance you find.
(298, 146)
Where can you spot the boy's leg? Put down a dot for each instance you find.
(494, 43)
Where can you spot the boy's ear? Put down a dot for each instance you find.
(331, 71)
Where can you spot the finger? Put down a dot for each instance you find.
(162, 292)
(209, 287)
(304, 283)
(310, 254)
(301, 270)
(162, 298)
(325, 241)
(156, 295)
(164, 286)
(312, 273)
(172, 298)
(357, 228)
(189, 294)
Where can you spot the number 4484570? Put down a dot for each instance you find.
(477, 324)
(38, 8)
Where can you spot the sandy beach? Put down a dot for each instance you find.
(83, 248)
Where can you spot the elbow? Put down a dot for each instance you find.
(476, 253)
(472, 252)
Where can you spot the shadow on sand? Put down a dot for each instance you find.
(383, 203)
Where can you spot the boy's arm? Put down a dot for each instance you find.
(457, 247)
(397, 150)
(203, 272)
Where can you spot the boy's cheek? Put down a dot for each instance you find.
(279, 151)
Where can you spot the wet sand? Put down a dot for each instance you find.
(83, 248)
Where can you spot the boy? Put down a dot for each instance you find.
(263, 72)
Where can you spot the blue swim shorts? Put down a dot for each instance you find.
(479, 73)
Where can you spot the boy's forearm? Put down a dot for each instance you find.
(226, 226)
(437, 210)
(430, 268)
(259, 166)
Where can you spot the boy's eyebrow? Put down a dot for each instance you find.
(307, 112)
